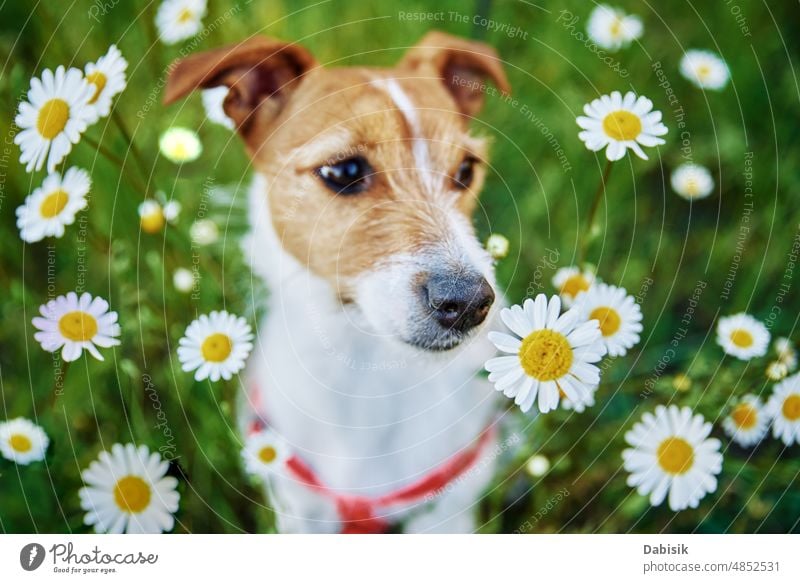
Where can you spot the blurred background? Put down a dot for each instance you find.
(658, 246)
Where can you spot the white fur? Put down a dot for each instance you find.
(367, 412)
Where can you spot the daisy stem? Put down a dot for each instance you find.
(598, 196)
(112, 157)
(137, 155)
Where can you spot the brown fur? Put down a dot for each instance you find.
(295, 116)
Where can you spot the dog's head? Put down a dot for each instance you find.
(373, 175)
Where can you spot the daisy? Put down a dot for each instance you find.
(621, 123)
(178, 20)
(107, 77)
(76, 323)
(183, 280)
(128, 491)
(612, 29)
(204, 232)
(692, 181)
(171, 209)
(672, 454)
(786, 352)
(551, 351)
(747, 422)
(53, 205)
(264, 453)
(537, 466)
(53, 118)
(783, 408)
(578, 406)
(570, 281)
(151, 216)
(216, 346)
(497, 246)
(705, 69)
(22, 441)
(213, 100)
(180, 145)
(617, 312)
(776, 370)
(742, 336)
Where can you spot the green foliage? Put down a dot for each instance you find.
(650, 241)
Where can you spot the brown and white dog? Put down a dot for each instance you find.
(367, 361)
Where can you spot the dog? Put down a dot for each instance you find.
(367, 363)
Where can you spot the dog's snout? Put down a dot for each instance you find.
(458, 302)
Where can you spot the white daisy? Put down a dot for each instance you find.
(705, 69)
(178, 20)
(783, 408)
(151, 216)
(22, 441)
(171, 210)
(578, 406)
(742, 336)
(183, 280)
(180, 145)
(619, 315)
(497, 246)
(213, 100)
(53, 205)
(786, 352)
(747, 422)
(107, 77)
(570, 281)
(619, 123)
(537, 465)
(264, 453)
(692, 181)
(612, 29)
(76, 323)
(128, 491)
(552, 352)
(776, 370)
(216, 346)
(53, 118)
(204, 232)
(672, 454)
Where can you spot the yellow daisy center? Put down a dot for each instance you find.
(78, 326)
(54, 203)
(692, 188)
(99, 80)
(545, 355)
(742, 338)
(217, 347)
(622, 125)
(20, 443)
(153, 222)
(53, 117)
(744, 416)
(609, 320)
(574, 285)
(267, 454)
(185, 16)
(703, 71)
(675, 455)
(791, 408)
(616, 28)
(132, 494)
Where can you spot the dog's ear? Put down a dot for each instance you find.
(259, 72)
(463, 66)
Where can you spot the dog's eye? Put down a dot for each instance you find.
(465, 173)
(348, 176)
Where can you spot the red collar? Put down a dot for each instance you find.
(359, 514)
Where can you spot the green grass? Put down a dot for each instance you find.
(647, 234)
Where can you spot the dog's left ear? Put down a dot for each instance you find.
(464, 67)
(260, 74)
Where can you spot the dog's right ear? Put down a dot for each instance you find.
(259, 72)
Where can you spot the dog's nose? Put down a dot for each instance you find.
(459, 301)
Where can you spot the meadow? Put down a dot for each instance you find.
(687, 263)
